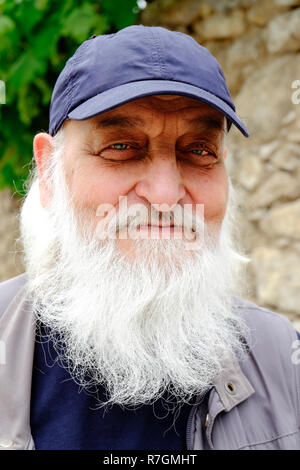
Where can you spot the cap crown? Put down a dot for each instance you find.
(134, 54)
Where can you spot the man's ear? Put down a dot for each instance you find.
(42, 149)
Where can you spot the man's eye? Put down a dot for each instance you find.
(120, 146)
(200, 152)
(120, 151)
(199, 156)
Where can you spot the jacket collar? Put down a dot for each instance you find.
(232, 385)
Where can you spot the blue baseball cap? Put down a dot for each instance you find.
(110, 70)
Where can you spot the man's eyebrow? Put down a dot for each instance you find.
(117, 120)
(208, 122)
(126, 122)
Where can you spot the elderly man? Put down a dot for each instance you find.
(128, 329)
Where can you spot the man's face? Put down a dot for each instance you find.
(155, 150)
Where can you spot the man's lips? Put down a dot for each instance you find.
(159, 228)
(156, 225)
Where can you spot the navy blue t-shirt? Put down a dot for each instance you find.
(65, 417)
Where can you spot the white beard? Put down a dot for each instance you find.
(140, 328)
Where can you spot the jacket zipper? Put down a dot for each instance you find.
(191, 418)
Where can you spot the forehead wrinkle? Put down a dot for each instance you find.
(120, 121)
(125, 120)
(208, 122)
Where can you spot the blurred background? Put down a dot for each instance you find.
(257, 43)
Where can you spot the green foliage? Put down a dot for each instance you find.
(36, 39)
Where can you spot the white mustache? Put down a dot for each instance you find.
(139, 215)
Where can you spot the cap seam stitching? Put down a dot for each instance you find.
(154, 53)
(160, 61)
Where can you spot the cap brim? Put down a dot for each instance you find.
(123, 94)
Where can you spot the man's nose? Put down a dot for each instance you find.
(162, 183)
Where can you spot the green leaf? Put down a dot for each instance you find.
(6, 25)
(7, 173)
(45, 90)
(28, 104)
(28, 15)
(45, 41)
(25, 69)
(121, 13)
(41, 4)
(80, 22)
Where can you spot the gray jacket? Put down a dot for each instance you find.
(254, 404)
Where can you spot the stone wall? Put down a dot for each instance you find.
(258, 46)
(257, 43)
